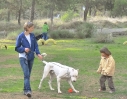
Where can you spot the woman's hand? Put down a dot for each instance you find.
(27, 50)
(40, 56)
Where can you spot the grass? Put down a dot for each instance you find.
(81, 54)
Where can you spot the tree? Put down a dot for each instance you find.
(4, 10)
(120, 8)
(32, 11)
(96, 5)
(19, 12)
(87, 6)
(54, 5)
(12, 7)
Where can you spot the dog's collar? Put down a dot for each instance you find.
(68, 72)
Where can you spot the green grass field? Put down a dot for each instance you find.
(81, 54)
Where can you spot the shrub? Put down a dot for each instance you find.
(61, 34)
(12, 35)
(9, 26)
(54, 34)
(85, 30)
(103, 38)
(70, 25)
(69, 15)
(37, 31)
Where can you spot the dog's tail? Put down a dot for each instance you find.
(44, 55)
(44, 62)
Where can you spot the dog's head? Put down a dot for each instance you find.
(74, 75)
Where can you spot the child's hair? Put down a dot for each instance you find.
(45, 22)
(28, 25)
(105, 50)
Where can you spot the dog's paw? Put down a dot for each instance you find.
(59, 92)
(52, 89)
(39, 87)
(76, 91)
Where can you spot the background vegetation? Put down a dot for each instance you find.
(66, 9)
(78, 28)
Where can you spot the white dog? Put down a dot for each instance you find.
(61, 71)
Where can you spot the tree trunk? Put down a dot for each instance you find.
(85, 14)
(8, 18)
(52, 17)
(19, 17)
(52, 7)
(90, 11)
(95, 11)
(23, 14)
(86, 10)
(32, 11)
(19, 13)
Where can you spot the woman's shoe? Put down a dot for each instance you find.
(28, 94)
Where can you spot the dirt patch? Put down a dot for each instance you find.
(10, 66)
(4, 58)
(35, 95)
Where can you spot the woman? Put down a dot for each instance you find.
(26, 45)
(106, 69)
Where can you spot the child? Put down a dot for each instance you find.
(45, 29)
(106, 69)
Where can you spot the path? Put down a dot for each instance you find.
(112, 30)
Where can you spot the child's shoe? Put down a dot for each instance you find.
(100, 90)
(111, 91)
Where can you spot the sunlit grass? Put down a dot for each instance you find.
(80, 54)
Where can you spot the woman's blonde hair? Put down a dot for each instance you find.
(105, 50)
(28, 25)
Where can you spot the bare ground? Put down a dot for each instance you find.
(20, 95)
(35, 95)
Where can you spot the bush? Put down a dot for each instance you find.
(9, 26)
(61, 34)
(54, 34)
(103, 38)
(37, 31)
(85, 30)
(70, 25)
(69, 15)
(13, 35)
